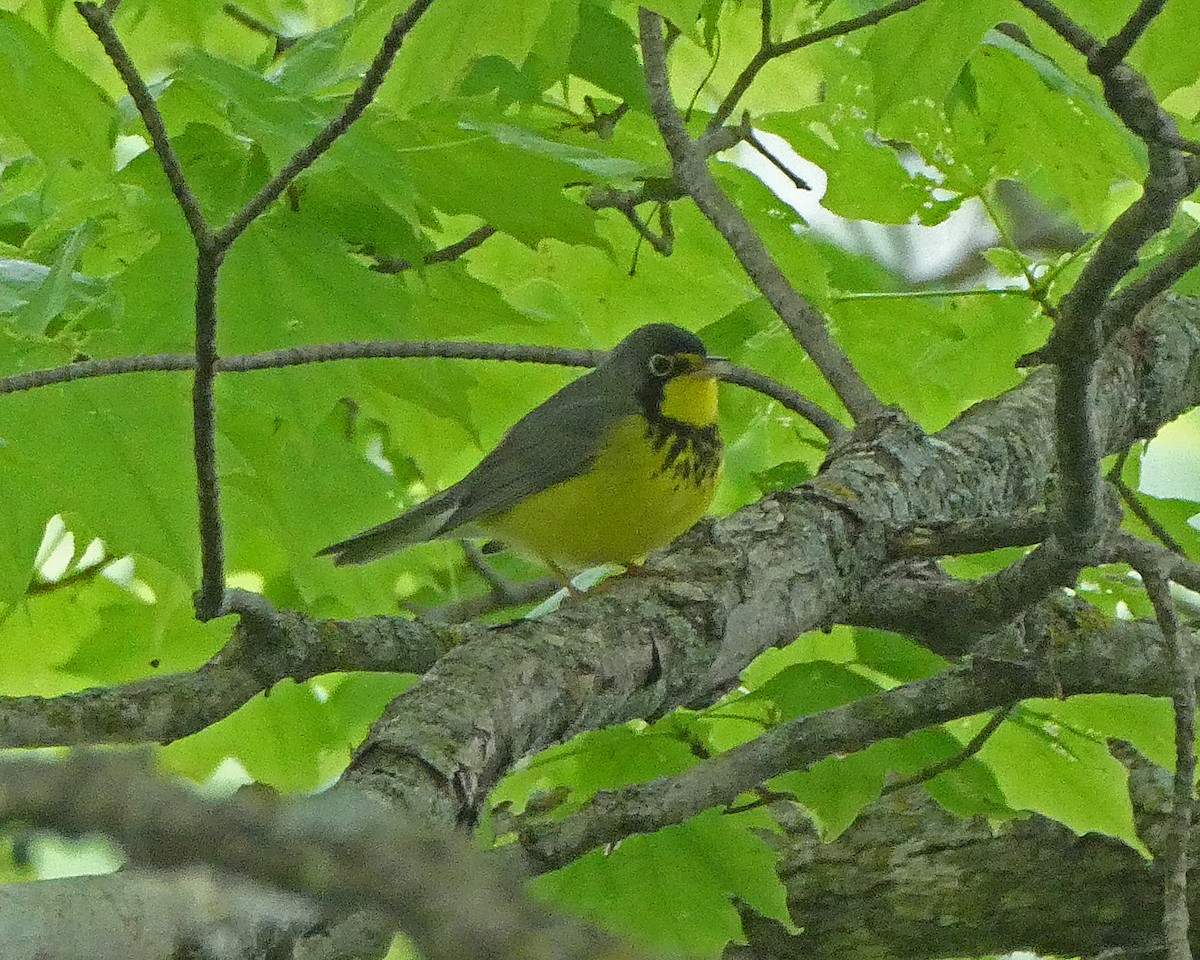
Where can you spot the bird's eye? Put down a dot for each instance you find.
(660, 365)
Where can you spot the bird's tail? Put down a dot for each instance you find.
(423, 522)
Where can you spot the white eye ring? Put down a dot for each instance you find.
(660, 365)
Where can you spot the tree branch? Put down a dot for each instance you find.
(210, 599)
(642, 808)
(972, 747)
(396, 350)
(1175, 853)
(100, 20)
(691, 172)
(728, 590)
(769, 50)
(971, 535)
(260, 654)
(339, 849)
(1119, 45)
(305, 156)
(251, 22)
(443, 255)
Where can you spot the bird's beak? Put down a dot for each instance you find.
(707, 368)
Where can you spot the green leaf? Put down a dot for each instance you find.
(597, 760)
(113, 456)
(603, 53)
(136, 637)
(56, 110)
(895, 656)
(807, 688)
(56, 289)
(255, 107)
(47, 302)
(713, 859)
(1146, 723)
(1034, 124)
(920, 53)
(453, 36)
(1049, 768)
(934, 357)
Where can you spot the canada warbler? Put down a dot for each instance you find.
(616, 464)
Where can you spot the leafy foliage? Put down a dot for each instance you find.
(490, 120)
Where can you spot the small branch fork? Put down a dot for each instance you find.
(1090, 314)
(691, 174)
(211, 247)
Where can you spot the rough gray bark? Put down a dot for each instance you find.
(909, 881)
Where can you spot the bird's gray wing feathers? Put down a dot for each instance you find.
(550, 444)
(423, 522)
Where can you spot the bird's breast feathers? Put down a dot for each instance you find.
(650, 480)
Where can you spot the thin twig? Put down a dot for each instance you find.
(1175, 851)
(1156, 280)
(251, 22)
(501, 587)
(1138, 509)
(972, 747)
(691, 172)
(1063, 25)
(752, 140)
(99, 19)
(74, 578)
(397, 350)
(472, 608)
(1124, 547)
(765, 19)
(769, 51)
(970, 535)
(211, 596)
(304, 157)
(443, 255)
(795, 401)
(1119, 45)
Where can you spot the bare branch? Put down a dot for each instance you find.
(1119, 45)
(339, 849)
(1138, 553)
(691, 172)
(972, 747)
(251, 22)
(303, 158)
(787, 397)
(211, 596)
(1138, 509)
(99, 19)
(1063, 25)
(752, 139)
(396, 350)
(768, 51)
(971, 535)
(472, 608)
(1156, 280)
(261, 652)
(1175, 853)
(443, 255)
(794, 745)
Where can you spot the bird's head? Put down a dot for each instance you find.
(670, 371)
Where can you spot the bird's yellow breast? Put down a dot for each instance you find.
(650, 481)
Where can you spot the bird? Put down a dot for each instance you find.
(616, 464)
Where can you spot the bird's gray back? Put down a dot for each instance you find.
(552, 443)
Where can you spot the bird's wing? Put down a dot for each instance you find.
(550, 444)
